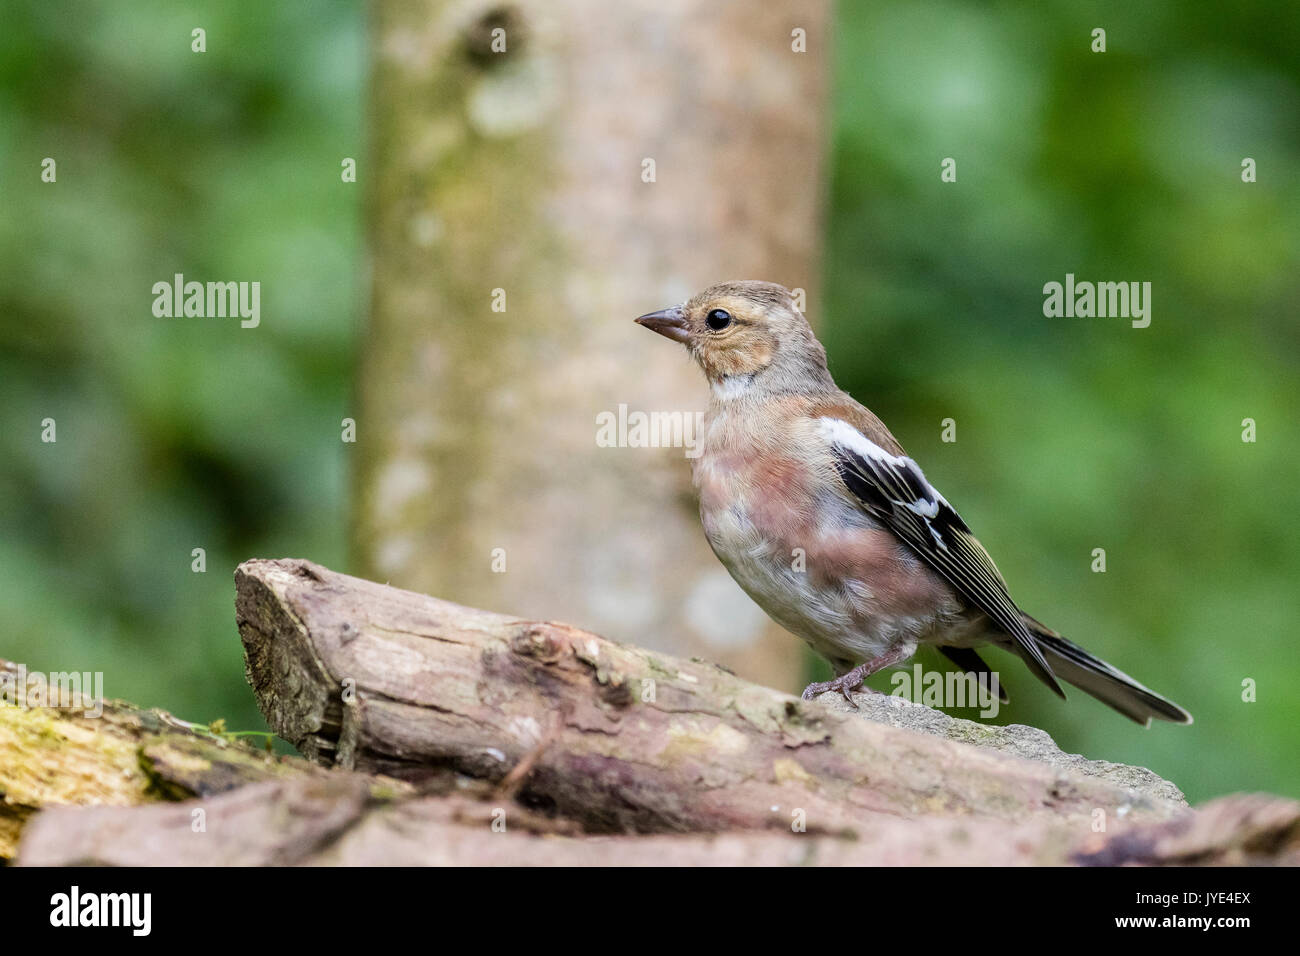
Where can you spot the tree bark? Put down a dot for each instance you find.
(114, 754)
(344, 820)
(522, 171)
(374, 679)
(534, 743)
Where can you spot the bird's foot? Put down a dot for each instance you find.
(846, 684)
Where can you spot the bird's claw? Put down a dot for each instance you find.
(846, 684)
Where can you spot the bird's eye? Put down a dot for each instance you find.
(718, 319)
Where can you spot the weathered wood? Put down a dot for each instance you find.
(1241, 829)
(375, 679)
(526, 737)
(348, 819)
(112, 753)
(343, 821)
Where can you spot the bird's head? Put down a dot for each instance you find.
(746, 336)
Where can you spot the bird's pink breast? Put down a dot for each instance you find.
(766, 514)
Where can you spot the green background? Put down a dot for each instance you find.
(1072, 434)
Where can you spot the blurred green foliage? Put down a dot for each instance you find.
(1071, 433)
(172, 434)
(1080, 433)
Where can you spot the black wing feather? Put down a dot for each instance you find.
(966, 659)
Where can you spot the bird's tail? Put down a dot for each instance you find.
(1109, 685)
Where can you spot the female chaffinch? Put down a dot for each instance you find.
(821, 517)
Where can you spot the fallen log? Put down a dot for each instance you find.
(374, 679)
(113, 754)
(344, 820)
(439, 734)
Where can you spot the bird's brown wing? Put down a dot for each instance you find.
(892, 488)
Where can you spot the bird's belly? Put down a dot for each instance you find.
(843, 611)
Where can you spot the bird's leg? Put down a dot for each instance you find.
(848, 682)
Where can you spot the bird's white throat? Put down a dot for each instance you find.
(732, 386)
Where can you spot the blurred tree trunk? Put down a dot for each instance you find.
(517, 178)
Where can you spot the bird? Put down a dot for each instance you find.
(823, 519)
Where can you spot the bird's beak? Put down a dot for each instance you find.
(670, 323)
